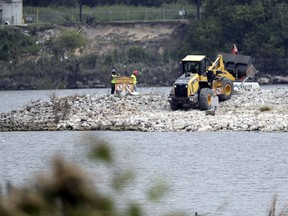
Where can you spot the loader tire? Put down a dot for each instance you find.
(175, 106)
(205, 99)
(228, 88)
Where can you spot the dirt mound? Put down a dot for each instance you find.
(106, 37)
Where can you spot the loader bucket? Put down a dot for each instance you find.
(239, 63)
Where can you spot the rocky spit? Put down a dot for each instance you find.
(260, 110)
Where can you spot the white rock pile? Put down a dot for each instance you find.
(262, 110)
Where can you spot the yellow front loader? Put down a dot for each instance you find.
(200, 81)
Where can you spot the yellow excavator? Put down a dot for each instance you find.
(202, 79)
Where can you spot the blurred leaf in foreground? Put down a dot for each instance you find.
(158, 190)
(122, 179)
(101, 152)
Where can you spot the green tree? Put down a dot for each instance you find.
(66, 43)
(14, 44)
(64, 48)
(257, 27)
(136, 54)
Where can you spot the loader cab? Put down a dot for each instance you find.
(192, 64)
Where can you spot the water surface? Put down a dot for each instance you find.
(213, 173)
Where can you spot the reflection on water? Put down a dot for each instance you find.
(217, 173)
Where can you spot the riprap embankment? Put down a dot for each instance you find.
(263, 110)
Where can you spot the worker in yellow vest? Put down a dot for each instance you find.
(113, 80)
(135, 72)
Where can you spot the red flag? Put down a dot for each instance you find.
(234, 49)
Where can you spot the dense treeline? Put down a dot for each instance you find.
(257, 27)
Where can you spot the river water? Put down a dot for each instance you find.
(212, 173)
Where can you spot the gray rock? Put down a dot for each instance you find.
(262, 110)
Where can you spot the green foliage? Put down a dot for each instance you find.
(66, 43)
(89, 61)
(121, 180)
(101, 152)
(45, 3)
(134, 209)
(70, 40)
(259, 28)
(136, 54)
(203, 37)
(157, 191)
(13, 44)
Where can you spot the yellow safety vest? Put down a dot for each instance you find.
(134, 79)
(113, 81)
